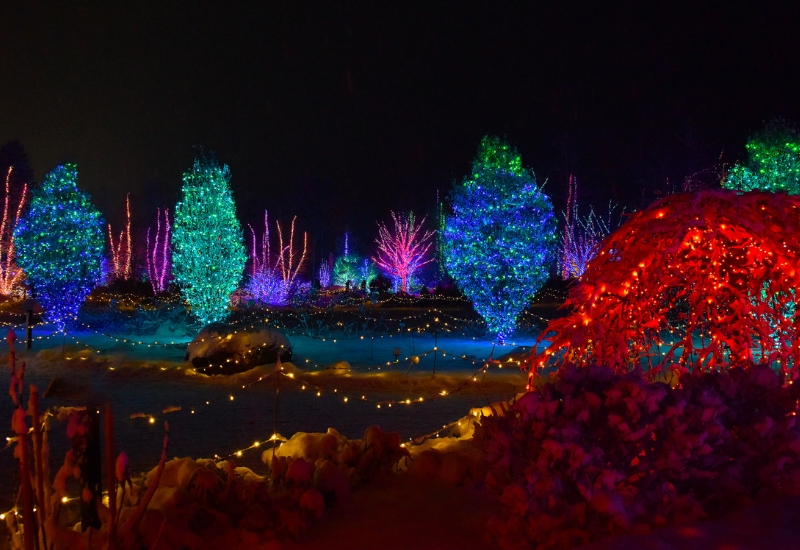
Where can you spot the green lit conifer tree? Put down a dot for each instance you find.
(60, 244)
(501, 238)
(773, 161)
(208, 255)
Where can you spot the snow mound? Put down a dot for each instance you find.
(220, 348)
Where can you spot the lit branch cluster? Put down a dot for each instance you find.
(158, 257)
(121, 256)
(403, 250)
(701, 280)
(10, 272)
(582, 236)
(272, 282)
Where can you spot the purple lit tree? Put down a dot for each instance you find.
(324, 274)
(159, 257)
(271, 282)
(582, 235)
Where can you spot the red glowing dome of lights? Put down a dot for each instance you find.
(703, 280)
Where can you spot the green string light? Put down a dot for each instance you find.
(773, 161)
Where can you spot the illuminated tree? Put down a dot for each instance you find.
(501, 237)
(10, 273)
(271, 283)
(773, 162)
(265, 285)
(582, 235)
(60, 244)
(703, 280)
(403, 249)
(121, 257)
(441, 221)
(324, 274)
(208, 253)
(158, 257)
(346, 266)
(367, 272)
(288, 262)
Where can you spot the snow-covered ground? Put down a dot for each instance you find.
(218, 416)
(142, 378)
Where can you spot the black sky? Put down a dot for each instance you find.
(340, 112)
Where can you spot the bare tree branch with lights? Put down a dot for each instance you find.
(402, 250)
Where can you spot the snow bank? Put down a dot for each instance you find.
(220, 348)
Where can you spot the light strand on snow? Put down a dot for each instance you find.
(135, 342)
(438, 321)
(344, 397)
(304, 385)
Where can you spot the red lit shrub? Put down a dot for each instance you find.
(703, 280)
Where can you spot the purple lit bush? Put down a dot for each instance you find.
(267, 288)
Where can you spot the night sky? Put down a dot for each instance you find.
(341, 112)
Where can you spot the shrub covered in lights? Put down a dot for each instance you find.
(704, 281)
(501, 237)
(352, 268)
(345, 269)
(773, 161)
(208, 255)
(60, 244)
(266, 287)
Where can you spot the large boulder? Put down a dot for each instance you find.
(225, 349)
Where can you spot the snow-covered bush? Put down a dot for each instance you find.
(597, 453)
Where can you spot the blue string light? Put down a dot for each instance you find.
(60, 244)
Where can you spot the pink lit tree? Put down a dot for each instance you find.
(10, 273)
(403, 249)
(159, 256)
(121, 257)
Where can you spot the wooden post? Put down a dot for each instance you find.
(28, 522)
(28, 329)
(90, 472)
(110, 476)
(38, 461)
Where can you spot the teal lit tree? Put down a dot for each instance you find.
(60, 244)
(773, 161)
(501, 237)
(208, 255)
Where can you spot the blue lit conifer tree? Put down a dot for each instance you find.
(208, 255)
(60, 244)
(501, 238)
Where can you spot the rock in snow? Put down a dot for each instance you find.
(220, 348)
